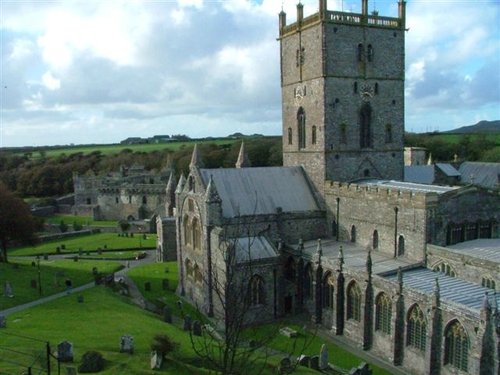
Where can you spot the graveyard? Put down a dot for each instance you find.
(121, 325)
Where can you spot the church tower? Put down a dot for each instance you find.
(342, 79)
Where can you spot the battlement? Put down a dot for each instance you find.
(343, 18)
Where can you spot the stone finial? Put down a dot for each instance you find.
(196, 161)
(171, 184)
(212, 195)
(340, 258)
(319, 251)
(369, 263)
(180, 184)
(436, 297)
(243, 160)
(400, 280)
(280, 245)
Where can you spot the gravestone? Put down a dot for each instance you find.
(197, 328)
(68, 285)
(80, 299)
(71, 371)
(187, 323)
(285, 366)
(3, 321)
(65, 351)
(147, 286)
(127, 344)
(75, 258)
(8, 291)
(167, 314)
(156, 360)
(95, 271)
(45, 256)
(165, 283)
(33, 264)
(323, 357)
(304, 360)
(33, 284)
(314, 363)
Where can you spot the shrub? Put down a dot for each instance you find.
(164, 344)
(92, 361)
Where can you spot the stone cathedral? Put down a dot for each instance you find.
(406, 271)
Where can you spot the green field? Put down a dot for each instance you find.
(117, 148)
(104, 241)
(53, 274)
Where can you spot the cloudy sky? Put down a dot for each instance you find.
(100, 71)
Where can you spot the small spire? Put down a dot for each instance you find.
(171, 184)
(196, 158)
(400, 280)
(243, 160)
(486, 302)
(319, 251)
(369, 262)
(340, 258)
(180, 185)
(212, 195)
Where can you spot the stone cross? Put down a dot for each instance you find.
(323, 357)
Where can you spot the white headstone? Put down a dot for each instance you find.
(323, 357)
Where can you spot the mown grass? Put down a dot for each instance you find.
(80, 220)
(91, 242)
(53, 274)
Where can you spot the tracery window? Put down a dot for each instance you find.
(301, 126)
(488, 282)
(444, 268)
(256, 291)
(416, 328)
(308, 282)
(354, 302)
(456, 346)
(328, 290)
(383, 307)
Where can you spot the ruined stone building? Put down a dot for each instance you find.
(131, 194)
(406, 271)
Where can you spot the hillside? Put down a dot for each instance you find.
(480, 127)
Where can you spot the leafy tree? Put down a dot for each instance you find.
(16, 221)
(164, 345)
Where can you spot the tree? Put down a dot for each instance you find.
(16, 222)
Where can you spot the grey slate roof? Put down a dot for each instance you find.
(484, 174)
(408, 186)
(422, 174)
(484, 248)
(452, 289)
(253, 248)
(448, 169)
(260, 191)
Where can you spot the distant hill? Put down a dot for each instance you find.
(480, 127)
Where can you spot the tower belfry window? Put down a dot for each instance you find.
(301, 125)
(365, 118)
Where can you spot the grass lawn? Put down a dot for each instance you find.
(53, 274)
(81, 220)
(105, 241)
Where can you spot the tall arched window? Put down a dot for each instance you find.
(308, 282)
(383, 307)
(290, 136)
(256, 291)
(328, 290)
(370, 53)
(401, 245)
(301, 126)
(388, 133)
(187, 230)
(365, 119)
(313, 135)
(353, 234)
(456, 346)
(290, 269)
(353, 302)
(416, 328)
(196, 230)
(375, 240)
